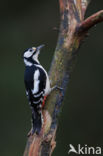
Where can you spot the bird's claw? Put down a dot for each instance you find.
(56, 87)
(60, 88)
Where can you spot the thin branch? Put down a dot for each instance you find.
(91, 21)
(81, 6)
(69, 40)
(84, 4)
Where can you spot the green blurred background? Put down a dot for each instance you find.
(24, 24)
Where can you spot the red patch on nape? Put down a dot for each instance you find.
(44, 101)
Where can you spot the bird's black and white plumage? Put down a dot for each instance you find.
(37, 85)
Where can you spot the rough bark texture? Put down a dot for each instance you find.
(73, 30)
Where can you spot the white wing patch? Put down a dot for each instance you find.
(38, 94)
(36, 82)
(36, 102)
(47, 88)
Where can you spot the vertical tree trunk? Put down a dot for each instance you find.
(73, 30)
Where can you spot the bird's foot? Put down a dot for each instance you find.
(56, 87)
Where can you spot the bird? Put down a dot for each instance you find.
(37, 85)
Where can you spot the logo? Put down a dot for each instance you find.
(84, 150)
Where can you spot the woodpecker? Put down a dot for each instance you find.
(37, 85)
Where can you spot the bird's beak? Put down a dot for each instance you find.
(34, 48)
(40, 47)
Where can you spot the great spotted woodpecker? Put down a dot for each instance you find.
(37, 86)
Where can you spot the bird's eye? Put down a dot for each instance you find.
(30, 50)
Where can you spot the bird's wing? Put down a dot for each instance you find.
(35, 88)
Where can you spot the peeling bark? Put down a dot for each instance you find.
(73, 30)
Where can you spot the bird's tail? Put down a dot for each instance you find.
(36, 120)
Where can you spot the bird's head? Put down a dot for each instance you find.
(31, 54)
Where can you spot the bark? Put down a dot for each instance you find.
(73, 30)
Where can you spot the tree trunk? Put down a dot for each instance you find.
(73, 30)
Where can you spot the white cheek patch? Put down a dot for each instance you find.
(28, 54)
